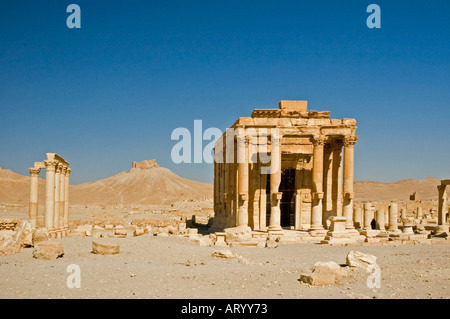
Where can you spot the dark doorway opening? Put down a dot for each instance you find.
(287, 204)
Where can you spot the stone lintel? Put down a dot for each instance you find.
(300, 106)
(56, 157)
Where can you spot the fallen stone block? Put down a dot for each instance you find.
(360, 260)
(138, 232)
(330, 267)
(120, 233)
(103, 248)
(8, 245)
(239, 233)
(40, 234)
(318, 278)
(24, 234)
(48, 250)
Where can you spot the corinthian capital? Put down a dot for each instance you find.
(349, 141)
(34, 171)
(50, 165)
(318, 140)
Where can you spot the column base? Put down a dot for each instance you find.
(275, 230)
(317, 231)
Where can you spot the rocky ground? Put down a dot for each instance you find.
(175, 267)
(178, 267)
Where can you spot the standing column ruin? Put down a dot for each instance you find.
(242, 157)
(349, 195)
(393, 218)
(275, 180)
(317, 181)
(50, 168)
(56, 209)
(57, 200)
(66, 201)
(34, 195)
(442, 226)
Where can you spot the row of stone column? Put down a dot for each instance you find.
(363, 217)
(57, 179)
(317, 181)
(318, 178)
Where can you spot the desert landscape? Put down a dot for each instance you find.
(225, 157)
(168, 248)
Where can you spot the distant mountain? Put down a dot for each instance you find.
(147, 184)
(426, 189)
(144, 184)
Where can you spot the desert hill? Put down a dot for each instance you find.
(426, 189)
(145, 184)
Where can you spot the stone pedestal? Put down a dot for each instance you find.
(338, 234)
(408, 224)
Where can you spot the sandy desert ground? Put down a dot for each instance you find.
(173, 267)
(176, 267)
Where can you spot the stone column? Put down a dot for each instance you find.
(358, 220)
(299, 174)
(419, 213)
(386, 217)
(349, 195)
(442, 209)
(393, 218)
(66, 201)
(403, 213)
(242, 154)
(50, 167)
(317, 181)
(56, 215)
(275, 180)
(263, 203)
(62, 190)
(380, 220)
(337, 178)
(34, 195)
(368, 216)
(328, 163)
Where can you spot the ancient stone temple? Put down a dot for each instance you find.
(57, 174)
(285, 168)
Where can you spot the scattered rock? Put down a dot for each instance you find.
(360, 260)
(139, 232)
(121, 233)
(105, 248)
(318, 278)
(40, 234)
(323, 273)
(24, 234)
(8, 245)
(48, 250)
(239, 233)
(225, 253)
(330, 267)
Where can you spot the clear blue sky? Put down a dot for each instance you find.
(113, 91)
